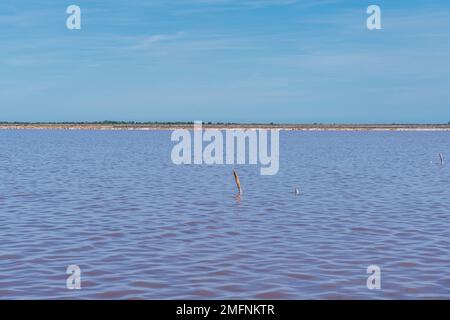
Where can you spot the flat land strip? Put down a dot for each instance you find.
(174, 126)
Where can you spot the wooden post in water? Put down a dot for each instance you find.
(238, 182)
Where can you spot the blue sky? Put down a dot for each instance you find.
(225, 60)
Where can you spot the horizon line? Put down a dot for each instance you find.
(222, 123)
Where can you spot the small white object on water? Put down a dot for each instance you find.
(297, 191)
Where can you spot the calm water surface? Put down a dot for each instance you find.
(140, 227)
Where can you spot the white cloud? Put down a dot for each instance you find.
(150, 41)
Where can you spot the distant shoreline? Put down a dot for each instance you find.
(174, 126)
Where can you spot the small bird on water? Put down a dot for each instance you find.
(296, 191)
(441, 159)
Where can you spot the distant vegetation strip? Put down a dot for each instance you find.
(177, 123)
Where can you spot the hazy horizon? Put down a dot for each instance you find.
(130, 122)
